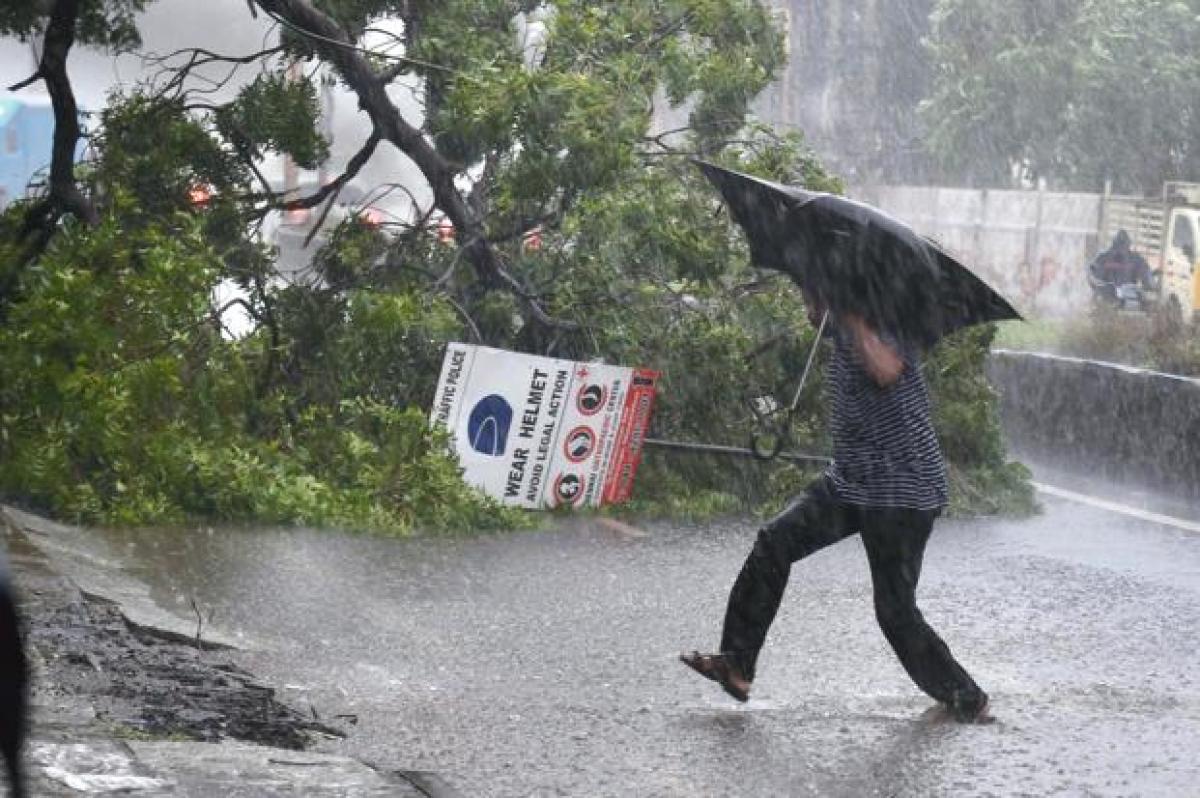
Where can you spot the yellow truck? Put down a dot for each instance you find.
(1165, 231)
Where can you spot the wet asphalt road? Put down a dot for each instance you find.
(545, 663)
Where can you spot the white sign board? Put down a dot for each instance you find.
(538, 432)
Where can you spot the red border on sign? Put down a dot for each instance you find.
(631, 434)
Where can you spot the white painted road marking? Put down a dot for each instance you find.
(1123, 509)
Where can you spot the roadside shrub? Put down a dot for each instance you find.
(982, 480)
(1148, 341)
(120, 402)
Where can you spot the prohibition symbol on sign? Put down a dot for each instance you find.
(579, 444)
(591, 399)
(568, 488)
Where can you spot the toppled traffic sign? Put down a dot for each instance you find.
(539, 432)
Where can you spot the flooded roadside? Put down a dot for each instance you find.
(124, 707)
(546, 660)
(141, 684)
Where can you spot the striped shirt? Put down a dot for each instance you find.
(885, 452)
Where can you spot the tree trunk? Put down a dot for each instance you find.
(64, 195)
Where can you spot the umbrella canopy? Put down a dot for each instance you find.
(857, 259)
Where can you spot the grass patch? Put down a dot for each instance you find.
(1035, 335)
(1141, 340)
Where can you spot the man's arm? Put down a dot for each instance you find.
(883, 363)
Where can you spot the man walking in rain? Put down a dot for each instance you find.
(887, 482)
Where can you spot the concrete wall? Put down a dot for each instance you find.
(1102, 419)
(1032, 246)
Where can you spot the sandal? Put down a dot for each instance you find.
(717, 668)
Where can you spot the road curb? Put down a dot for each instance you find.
(73, 749)
(95, 580)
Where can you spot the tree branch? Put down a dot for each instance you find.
(470, 322)
(29, 81)
(394, 71)
(384, 190)
(334, 46)
(198, 57)
(275, 200)
(64, 195)
(363, 80)
(217, 313)
(353, 167)
(316, 227)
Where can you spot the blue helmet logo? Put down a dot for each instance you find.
(487, 426)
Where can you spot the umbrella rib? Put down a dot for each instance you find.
(812, 353)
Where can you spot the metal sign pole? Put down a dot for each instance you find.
(732, 451)
(781, 432)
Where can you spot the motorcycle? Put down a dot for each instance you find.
(1123, 294)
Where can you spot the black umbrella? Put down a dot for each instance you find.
(857, 259)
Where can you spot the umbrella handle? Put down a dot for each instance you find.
(781, 430)
(779, 437)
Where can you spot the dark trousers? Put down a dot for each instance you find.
(895, 543)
